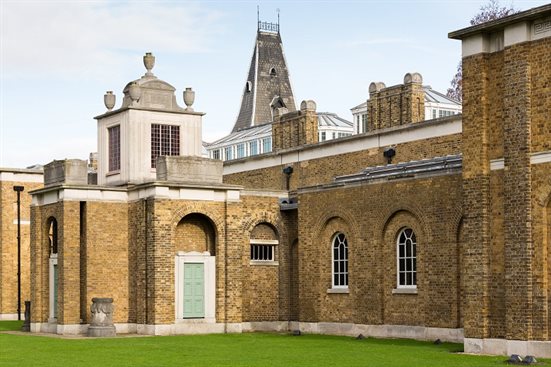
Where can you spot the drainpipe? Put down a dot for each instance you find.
(18, 189)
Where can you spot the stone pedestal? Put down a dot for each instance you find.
(102, 318)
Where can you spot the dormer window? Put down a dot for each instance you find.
(273, 72)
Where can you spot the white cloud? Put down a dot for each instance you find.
(44, 39)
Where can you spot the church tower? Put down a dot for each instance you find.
(267, 86)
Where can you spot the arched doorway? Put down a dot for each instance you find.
(195, 243)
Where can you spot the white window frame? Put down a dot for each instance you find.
(333, 260)
(405, 257)
(259, 242)
(240, 150)
(254, 144)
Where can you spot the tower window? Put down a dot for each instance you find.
(248, 87)
(165, 140)
(273, 72)
(114, 146)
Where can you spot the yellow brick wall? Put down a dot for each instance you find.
(323, 170)
(8, 245)
(371, 216)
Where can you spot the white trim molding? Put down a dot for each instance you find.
(535, 158)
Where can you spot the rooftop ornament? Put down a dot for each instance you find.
(189, 98)
(149, 63)
(109, 100)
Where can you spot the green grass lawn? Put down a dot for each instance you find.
(254, 349)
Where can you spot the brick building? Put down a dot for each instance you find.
(28, 179)
(419, 228)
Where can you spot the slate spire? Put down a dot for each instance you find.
(267, 85)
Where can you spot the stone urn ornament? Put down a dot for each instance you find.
(102, 317)
(135, 92)
(109, 99)
(189, 98)
(149, 63)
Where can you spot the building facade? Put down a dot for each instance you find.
(418, 228)
(28, 180)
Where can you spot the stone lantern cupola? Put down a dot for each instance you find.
(149, 124)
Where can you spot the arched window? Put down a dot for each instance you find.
(406, 259)
(340, 261)
(263, 241)
(248, 87)
(52, 236)
(273, 72)
(53, 270)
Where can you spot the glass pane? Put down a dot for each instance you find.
(408, 251)
(402, 264)
(408, 264)
(401, 251)
(414, 279)
(402, 279)
(408, 279)
(414, 264)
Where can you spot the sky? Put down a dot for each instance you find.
(57, 59)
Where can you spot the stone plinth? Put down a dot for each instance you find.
(189, 169)
(68, 171)
(102, 318)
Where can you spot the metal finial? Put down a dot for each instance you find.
(258, 17)
(277, 20)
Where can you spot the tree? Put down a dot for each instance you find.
(491, 11)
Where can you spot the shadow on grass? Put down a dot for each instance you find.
(11, 325)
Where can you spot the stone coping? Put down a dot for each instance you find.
(128, 188)
(138, 108)
(529, 14)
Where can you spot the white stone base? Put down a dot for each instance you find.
(203, 327)
(270, 326)
(10, 316)
(54, 328)
(380, 331)
(535, 348)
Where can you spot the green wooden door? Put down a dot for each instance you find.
(194, 290)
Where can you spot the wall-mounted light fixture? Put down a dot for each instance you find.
(288, 171)
(389, 153)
